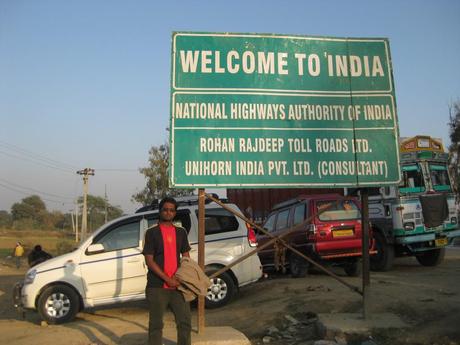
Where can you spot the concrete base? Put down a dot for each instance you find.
(211, 336)
(331, 325)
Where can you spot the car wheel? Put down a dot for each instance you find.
(432, 257)
(58, 304)
(383, 260)
(353, 268)
(298, 266)
(221, 290)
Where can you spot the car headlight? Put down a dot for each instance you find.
(30, 276)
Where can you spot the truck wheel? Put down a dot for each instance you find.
(58, 304)
(431, 257)
(298, 266)
(221, 290)
(353, 268)
(383, 260)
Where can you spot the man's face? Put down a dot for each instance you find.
(168, 212)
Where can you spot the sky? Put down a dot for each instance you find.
(86, 84)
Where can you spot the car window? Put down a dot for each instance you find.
(282, 221)
(270, 223)
(412, 179)
(299, 214)
(218, 220)
(337, 210)
(123, 236)
(182, 220)
(440, 178)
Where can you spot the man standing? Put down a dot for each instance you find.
(163, 247)
(18, 252)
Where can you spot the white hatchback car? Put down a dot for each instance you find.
(109, 267)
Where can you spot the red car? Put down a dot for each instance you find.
(333, 233)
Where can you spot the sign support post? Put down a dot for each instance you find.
(201, 230)
(365, 248)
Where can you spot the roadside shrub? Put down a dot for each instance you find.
(64, 246)
(23, 224)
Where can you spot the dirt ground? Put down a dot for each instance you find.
(426, 298)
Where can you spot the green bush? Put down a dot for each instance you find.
(64, 246)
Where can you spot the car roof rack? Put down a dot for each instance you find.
(181, 201)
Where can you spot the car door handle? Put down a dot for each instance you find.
(135, 259)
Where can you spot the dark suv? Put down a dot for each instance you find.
(333, 235)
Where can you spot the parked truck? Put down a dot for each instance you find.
(418, 217)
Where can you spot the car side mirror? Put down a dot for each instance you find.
(95, 249)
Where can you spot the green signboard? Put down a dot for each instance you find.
(250, 110)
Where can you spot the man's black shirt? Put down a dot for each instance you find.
(153, 245)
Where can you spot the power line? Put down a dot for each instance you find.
(118, 170)
(37, 156)
(26, 193)
(49, 162)
(39, 163)
(36, 190)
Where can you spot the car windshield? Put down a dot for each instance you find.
(337, 210)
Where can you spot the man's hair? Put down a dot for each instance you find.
(167, 199)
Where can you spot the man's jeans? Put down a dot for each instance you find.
(159, 299)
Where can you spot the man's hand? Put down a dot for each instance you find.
(172, 282)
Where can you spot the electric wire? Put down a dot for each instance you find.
(35, 190)
(48, 162)
(27, 193)
(117, 170)
(37, 162)
(37, 156)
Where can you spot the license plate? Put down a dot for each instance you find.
(342, 233)
(441, 242)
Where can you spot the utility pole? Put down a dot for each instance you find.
(84, 220)
(76, 220)
(105, 202)
(72, 216)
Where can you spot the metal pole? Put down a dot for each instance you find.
(365, 246)
(76, 221)
(72, 219)
(201, 230)
(105, 203)
(84, 220)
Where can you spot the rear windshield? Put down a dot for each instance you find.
(337, 210)
(218, 220)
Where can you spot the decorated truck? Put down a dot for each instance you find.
(418, 217)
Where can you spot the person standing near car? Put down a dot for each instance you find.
(37, 256)
(18, 252)
(164, 244)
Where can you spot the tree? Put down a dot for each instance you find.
(454, 148)
(156, 173)
(31, 207)
(60, 220)
(96, 211)
(5, 219)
